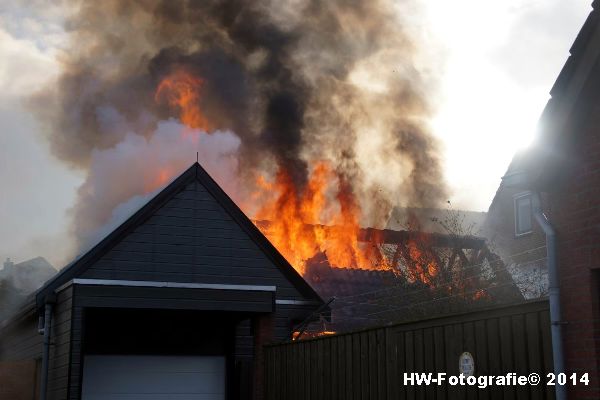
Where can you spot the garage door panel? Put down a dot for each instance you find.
(183, 396)
(153, 377)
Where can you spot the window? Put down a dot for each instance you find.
(523, 218)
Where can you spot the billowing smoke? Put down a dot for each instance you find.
(277, 85)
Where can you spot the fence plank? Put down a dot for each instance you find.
(350, 359)
(469, 345)
(326, 352)
(364, 365)
(547, 346)
(481, 357)
(450, 356)
(506, 342)
(409, 361)
(341, 364)
(373, 365)
(398, 388)
(495, 358)
(428, 359)
(381, 363)
(520, 353)
(439, 351)
(534, 351)
(316, 372)
(308, 368)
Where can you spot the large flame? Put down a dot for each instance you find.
(322, 217)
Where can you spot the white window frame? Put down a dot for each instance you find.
(516, 198)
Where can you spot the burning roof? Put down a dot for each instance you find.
(425, 275)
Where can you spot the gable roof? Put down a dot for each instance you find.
(194, 173)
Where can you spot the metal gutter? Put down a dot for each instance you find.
(553, 293)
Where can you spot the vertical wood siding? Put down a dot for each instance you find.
(370, 364)
(60, 350)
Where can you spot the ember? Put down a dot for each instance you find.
(310, 335)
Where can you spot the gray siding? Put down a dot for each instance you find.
(20, 340)
(60, 351)
(76, 353)
(191, 239)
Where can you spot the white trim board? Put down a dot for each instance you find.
(177, 285)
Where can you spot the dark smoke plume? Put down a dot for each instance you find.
(297, 81)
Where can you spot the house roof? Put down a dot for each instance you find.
(574, 91)
(195, 172)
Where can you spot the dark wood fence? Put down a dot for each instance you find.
(370, 364)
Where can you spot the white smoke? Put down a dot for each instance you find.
(123, 178)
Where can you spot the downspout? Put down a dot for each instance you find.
(46, 354)
(553, 293)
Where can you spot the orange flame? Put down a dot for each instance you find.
(421, 264)
(181, 91)
(158, 179)
(301, 224)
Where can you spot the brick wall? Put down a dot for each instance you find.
(575, 214)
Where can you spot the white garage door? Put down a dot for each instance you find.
(153, 378)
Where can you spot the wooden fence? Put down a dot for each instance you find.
(370, 364)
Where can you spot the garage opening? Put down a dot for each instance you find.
(149, 354)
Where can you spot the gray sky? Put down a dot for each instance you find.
(500, 59)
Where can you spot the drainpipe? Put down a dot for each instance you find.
(553, 293)
(46, 355)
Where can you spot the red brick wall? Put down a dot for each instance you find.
(575, 214)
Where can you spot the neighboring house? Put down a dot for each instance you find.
(562, 170)
(176, 303)
(29, 275)
(512, 234)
